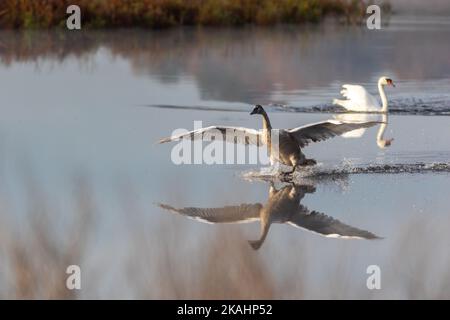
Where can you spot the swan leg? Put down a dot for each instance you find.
(308, 189)
(289, 174)
(272, 190)
(309, 162)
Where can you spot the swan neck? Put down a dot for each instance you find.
(264, 226)
(266, 121)
(384, 101)
(383, 126)
(381, 130)
(381, 142)
(267, 132)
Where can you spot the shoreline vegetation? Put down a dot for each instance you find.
(156, 14)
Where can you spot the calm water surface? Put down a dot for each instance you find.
(81, 113)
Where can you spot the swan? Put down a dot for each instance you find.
(282, 206)
(284, 145)
(360, 100)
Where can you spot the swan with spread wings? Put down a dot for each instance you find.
(284, 145)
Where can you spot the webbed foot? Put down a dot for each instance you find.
(309, 162)
(289, 175)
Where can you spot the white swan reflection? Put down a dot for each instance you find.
(381, 141)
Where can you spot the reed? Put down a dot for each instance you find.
(23, 14)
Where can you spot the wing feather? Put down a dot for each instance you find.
(329, 227)
(358, 98)
(228, 214)
(224, 133)
(324, 130)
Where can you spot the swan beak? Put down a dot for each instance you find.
(389, 82)
(253, 112)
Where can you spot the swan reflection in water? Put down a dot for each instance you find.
(282, 206)
(382, 142)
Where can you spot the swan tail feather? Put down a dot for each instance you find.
(340, 102)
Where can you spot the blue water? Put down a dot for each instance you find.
(94, 105)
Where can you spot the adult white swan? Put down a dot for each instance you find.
(360, 100)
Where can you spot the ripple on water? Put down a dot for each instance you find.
(321, 172)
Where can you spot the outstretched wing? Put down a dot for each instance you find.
(327, 226)
(224, 133)
(227, 214)
(359, 98)
(326, 129)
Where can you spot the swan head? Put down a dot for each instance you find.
(386, 81)
(258, 109)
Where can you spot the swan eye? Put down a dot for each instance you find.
(390, 82)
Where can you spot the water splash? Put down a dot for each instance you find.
(433, 106)
(334, 173)
(418, 167)
(425, 107)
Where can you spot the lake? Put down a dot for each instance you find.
(83, 180)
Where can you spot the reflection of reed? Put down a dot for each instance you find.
(159, 265)
(37, 256)
(230, 64)
(226, 269)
